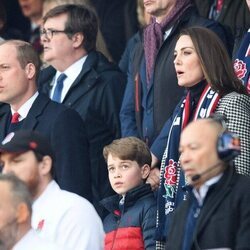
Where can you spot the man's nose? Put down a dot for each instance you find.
(184, 157)
(6, 168)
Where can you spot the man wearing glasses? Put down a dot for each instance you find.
(83, 79)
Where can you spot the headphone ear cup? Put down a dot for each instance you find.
(228, 146)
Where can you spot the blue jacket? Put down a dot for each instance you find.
(131, 225)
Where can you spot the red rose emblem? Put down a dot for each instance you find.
(171, 173)
(240, 68)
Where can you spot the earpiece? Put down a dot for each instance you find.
(228, 143)
(228, 146)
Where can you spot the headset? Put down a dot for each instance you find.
(228, 143)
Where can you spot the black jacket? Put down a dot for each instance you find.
(131, 225)
(224, 220)
(165, 91)
(66, 132)
(234, 14)
(96, 95)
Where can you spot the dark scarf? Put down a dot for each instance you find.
(242, 61)
(170, 194)
(154, 34)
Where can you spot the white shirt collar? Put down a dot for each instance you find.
(202, 192)
(49, 189)
(167, 33)
(25, 108)
(72, 73)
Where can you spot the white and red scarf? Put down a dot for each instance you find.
(170, 193)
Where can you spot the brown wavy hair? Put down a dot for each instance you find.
(215, 61)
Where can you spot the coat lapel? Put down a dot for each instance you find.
(36, 110)
(84, 82)
(214, 200)
(4, 116)
(46, 80)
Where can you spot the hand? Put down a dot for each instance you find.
(154, 178)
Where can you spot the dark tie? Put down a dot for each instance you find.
(58, 89)
(14, 118)
(193, 215)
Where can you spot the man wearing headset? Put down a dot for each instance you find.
(216, 214)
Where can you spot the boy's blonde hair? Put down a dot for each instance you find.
(129, 148)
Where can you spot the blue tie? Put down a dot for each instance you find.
(58, 89)
(192, 217)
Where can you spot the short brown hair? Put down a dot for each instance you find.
(79, 19)
(25, 54)
(129, 148)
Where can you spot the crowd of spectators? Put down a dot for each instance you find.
(128, 121)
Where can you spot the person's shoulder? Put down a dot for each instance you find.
(242, 182)
(101, 64)
(192, 18)
(49, 105)
(55, 107)
(45, 75)
(144, 196)
(74, 200)
(235, 97)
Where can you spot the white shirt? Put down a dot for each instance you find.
(67, 219)
(72, 73)
(31, 241)
(167, 33)
(25, 108)
(201, 194)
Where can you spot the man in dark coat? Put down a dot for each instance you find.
(216, 212)
(152, 91)
(26, 109)
(93, 86)
(232, 13)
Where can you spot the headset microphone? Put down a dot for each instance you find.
(229, 156)
(198, 176)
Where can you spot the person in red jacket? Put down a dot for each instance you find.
(132, 212)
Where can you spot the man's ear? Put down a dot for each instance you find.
(145, 170)
(22, 213)
(77, 39)
(45, 165)
(30, 70)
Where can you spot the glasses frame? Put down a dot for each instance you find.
(49, 33)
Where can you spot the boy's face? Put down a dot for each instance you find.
(125, 174)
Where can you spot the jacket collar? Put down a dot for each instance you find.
(112, 203)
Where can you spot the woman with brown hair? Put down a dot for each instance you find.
(204, 68)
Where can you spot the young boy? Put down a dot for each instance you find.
(132, 213)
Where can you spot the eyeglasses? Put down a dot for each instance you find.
(49, 33)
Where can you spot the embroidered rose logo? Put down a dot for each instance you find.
(240, 68)
(170, 173)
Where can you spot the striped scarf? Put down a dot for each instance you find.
(242, 61)
(172, 179)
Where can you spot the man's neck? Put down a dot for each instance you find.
(62, 66)
(161, 16)
(36, 19)
(41, 187)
